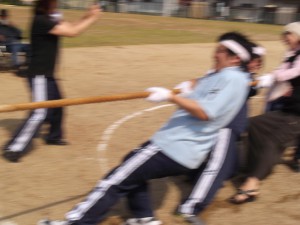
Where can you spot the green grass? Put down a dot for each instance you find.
(115, 29)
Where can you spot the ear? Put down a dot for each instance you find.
(235, 60)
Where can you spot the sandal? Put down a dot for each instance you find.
(249, 197)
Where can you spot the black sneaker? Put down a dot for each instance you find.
(12, 156)
(56, 142)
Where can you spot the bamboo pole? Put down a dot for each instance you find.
(80, 101)
(74, 101)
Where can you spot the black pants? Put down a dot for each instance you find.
(277, 105)
(297, 153)
(128, 179)
(268, 135)
(222, 164)
(42, 89)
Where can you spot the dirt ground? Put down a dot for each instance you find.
(49, 180)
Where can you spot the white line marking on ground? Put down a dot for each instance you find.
(108, 132)
(8, 222)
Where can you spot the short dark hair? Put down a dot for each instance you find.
(42, 7)
(239, 38)
(232, 35)
(242, 40)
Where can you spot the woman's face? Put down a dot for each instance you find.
(291, 40)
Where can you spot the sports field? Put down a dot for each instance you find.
(119, 55)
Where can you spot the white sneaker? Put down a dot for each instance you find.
(191, 219)
(52, 222)
(142, 221)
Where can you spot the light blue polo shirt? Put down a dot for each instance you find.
(187, 139)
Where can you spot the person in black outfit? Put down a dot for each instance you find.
(47, 27)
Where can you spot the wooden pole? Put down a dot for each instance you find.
(80, 101)
(74, 101)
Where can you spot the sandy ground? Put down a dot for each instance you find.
(49, 180)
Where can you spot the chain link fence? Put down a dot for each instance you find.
(13, 2)
(185, 8)
(75, 4)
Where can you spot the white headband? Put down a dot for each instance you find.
(259, 51)
(237, 49)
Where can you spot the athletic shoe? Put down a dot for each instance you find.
(190, 219)
(56, 142)
(52, 222)
(12, 156)
(142, 221)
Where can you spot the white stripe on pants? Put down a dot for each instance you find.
(39, 93)
(210, 173)
(119, 175)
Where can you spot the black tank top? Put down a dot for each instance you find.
(292, 103)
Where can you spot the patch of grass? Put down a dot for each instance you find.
(115, 29)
